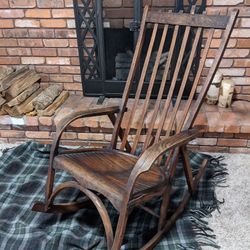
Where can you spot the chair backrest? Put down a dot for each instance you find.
(164, 110)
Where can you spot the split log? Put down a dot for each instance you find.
(21, 83)
(24, 95)
(24, 107)
(4, 71)
(3, 112)
(47, 97)
(2, 100)
(27, 105)
(50, 110)
(7, 81)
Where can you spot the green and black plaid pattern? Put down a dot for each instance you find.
(23, 173)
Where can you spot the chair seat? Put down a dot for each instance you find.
(107, 172)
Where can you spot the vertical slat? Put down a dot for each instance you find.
(140, 85)
(150, 87)
(130, 78)
(184, 81)
(173, 83)
(212, 70)
(162, 87)
(196, 80)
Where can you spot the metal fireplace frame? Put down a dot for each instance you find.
(89, 25)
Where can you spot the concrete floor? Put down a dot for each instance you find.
(232, 224)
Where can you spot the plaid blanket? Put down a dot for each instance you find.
(23, 175)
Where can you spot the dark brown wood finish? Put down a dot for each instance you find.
(125, 179)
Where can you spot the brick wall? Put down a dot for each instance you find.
(42, 33)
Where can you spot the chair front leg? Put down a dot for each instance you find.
(120, 228)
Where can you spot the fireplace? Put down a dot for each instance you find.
(106, 47)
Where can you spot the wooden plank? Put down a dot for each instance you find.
(50, 110)
(20, 83)
(185, 19)
(45, 98)
(27, 105)
(24, 95)
(8, 80)
(4, 71)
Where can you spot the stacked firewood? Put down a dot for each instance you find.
(21, 94)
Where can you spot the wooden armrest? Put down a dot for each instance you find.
(61, 126)
(151, 154)
(85, 113)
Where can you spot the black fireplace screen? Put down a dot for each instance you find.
(106, 53)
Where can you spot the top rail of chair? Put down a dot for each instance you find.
(185, 19)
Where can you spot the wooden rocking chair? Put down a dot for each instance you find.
(116, 172)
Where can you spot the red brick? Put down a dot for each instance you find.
(70, 69)
(22, 3)
(241, 62)
(47, 69)
(44, 52)
(42, 33)
(73, 43)
(63, 13)
(112, 3)
(68, 3)
(245, 129)
(11, 133)
(72, 86)
(119, 13)
(75, 61)
(228, 2)
(8, 42)
(4, 4)
(243, 43)
(239, 150)
(3, 52)
(37, 134)
(30, 42)
(232, 128)
(19, 51)
(27, 23)
(236, 53)
(45, 121)
(61, 33)
(33, 60)
(50, 3)
(232, 142)
(9, 33)
(38, 13)
(69, 135)
(91, 136)
(5, 120)
(11, 13)
(213, 149)
(53, 23)
(31, 120)
(67, 52)
(6, 23)
(56, 42)
(61, 78)
(240, 33)
(10, 60)
(58, 60)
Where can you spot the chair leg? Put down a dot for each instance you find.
(49, 185)
(120, 229)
